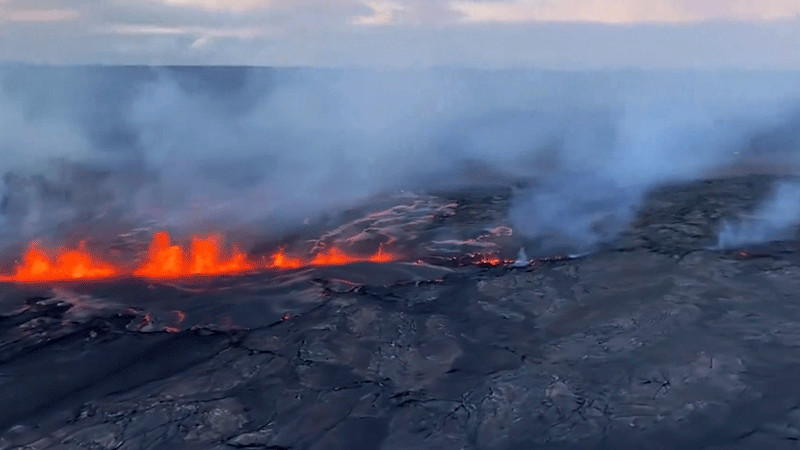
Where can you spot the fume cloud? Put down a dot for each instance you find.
(776, 218)
(185, 148)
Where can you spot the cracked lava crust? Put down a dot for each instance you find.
(654, 339)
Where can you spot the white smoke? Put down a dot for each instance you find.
(189, 146)
(776, 218)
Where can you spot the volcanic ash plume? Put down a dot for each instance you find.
(775, 219)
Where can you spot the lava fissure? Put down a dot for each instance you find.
(67, 264)
(204, 259)
(206, 256)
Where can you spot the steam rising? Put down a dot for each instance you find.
(777, 218)
(183, 147)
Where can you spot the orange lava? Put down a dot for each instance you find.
(336, 257)
(163, 259)
(205, 258)
(381, 257)
(331, 257)
(280, 261)
(491, 260)
(67, 264)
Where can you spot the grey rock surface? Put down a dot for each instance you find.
(653, 342)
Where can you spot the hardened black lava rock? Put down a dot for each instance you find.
(656, 341)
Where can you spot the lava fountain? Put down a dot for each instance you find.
(206, 256)
(67, 264)
(204, 259)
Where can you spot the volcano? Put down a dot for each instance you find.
(303, 258)
(655, 337)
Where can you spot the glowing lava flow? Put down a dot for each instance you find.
(330, 257)
(491, 260)
(205, 257)
(280, 261)
(74, 264)
(336, 257)
(168, 261)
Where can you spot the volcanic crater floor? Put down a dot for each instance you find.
(654, 341)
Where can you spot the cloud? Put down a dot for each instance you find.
(407, 12)
(208, 33)
(619, 12)
(221, 5)
(625, 11)
(520, 33)
(383, 13)
(744, 10)
(38, 15)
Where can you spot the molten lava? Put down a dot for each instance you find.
(280, 261)
(490, 260)
(205, 258)
(336, 257)
(67, 264)
(163, 259)
(331, 257)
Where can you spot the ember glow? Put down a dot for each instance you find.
(205, 256)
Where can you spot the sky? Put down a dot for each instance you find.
(557, 34)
